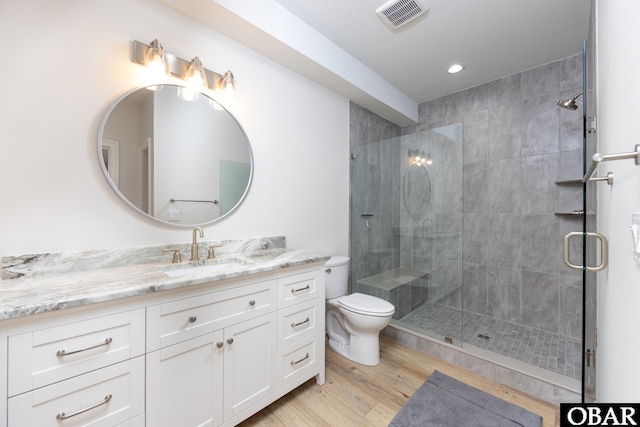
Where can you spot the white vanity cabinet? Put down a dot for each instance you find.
(212, 354)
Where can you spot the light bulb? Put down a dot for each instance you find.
(188, 94)
(195, 81)
(228, 84)
(156, 63)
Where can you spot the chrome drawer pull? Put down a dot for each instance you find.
(63, 352)
(293, 325)
(295, 362)
(62, 416)
(306, 288)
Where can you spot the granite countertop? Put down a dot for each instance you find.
(30, 295)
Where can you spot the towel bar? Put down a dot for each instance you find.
(598, 157)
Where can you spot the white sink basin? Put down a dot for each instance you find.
(216, 267)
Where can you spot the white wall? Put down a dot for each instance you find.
(618, 47)
(66, 61)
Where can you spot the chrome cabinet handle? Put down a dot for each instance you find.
(295, 362)
(293, 325)
(604, 255)
(219, 344)
(62, 416)
(192, 319)
(229, 340)
(63, 352)
(252, 302)
(306, 288)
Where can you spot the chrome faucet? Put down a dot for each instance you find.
(194, 244)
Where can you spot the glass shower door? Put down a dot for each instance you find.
(589, 338)
(406, 228)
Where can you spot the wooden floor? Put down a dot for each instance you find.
(357, 395)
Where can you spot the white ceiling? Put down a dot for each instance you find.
(492, 38)
(343, 45)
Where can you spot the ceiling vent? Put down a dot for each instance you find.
(396, 13)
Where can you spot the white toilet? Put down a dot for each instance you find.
(353, 321)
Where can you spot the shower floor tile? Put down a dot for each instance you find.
(536, 347)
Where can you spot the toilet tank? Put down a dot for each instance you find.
(336, 276)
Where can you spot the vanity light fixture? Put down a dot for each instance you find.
(156, 64)
(227, 84)
(417, 157)
(195, 81)
(192, 72)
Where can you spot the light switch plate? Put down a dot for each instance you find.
(174, 215)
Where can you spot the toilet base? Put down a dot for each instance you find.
(369, 357)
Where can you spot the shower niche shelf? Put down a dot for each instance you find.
(576, 214)
(572, 214)
(569, 182)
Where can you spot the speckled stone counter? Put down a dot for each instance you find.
(48, 282)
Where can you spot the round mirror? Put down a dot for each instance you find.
(416, 191)
(179, 162)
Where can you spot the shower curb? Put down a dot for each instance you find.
(548, 391)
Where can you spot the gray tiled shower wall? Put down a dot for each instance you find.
(377, 167)
(517, 144)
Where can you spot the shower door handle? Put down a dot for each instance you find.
(604, 248)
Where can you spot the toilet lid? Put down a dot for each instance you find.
(366, 304)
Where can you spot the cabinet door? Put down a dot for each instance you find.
(184, 383)
(250, 349)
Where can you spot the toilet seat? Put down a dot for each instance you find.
(366, 304)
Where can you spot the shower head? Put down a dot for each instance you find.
(569, 104)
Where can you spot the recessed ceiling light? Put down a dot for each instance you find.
(455, 68)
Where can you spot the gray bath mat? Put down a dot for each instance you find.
(443, 401)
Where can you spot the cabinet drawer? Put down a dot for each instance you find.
(177, 321)
(301, 287)
(107, 397)
(49, 355)
(300, 361)
(300, 321)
